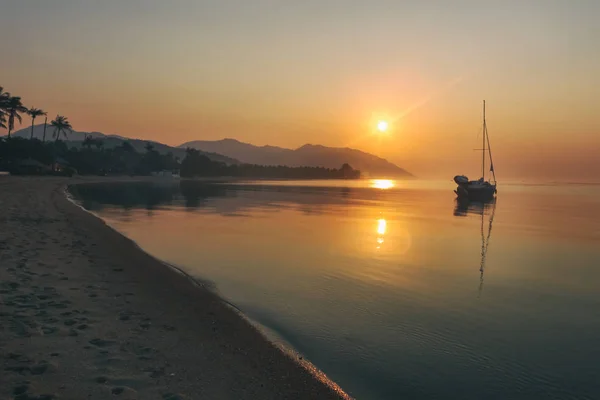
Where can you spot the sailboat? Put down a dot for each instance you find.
(479, 190)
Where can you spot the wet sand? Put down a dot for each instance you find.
(85, 314)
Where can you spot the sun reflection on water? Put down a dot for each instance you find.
(381, 228)
(382, 183)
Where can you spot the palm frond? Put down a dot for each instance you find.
(14, 107)
(61, 125)
(35, 112)
(3, 94)
(15, 102)
(4, 97)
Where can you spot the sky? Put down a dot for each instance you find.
(286, 73)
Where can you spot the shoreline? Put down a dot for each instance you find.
(268, 333)
(188, 342)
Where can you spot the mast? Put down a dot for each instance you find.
(490, 154)
(483, 139)
(486, 139)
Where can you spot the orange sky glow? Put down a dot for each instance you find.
(290, 73)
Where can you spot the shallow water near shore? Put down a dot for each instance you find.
(393, 289)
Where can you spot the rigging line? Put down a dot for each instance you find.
(490, 154)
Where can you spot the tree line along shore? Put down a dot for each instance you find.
(54, 156)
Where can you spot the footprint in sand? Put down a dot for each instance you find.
(23, 365)
(27, 396)
(42, 368)
(20, 390)
(101, 342)
(48, 330)
(61, 305)
(145, 324)
(126, 315)
(173, 396)
(12, 285)
(124, 392)
(155, 372)
(21, 328)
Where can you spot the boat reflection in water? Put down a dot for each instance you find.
(483, 209)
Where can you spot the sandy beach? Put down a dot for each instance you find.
(85, 314)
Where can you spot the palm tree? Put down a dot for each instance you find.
(45, 123)
(34, 113)
(61, 125)
(3, 100)
(13, 108)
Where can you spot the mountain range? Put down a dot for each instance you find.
(232, 151)
(76, 138)
(307, 155)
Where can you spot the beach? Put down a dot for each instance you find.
(85, 314)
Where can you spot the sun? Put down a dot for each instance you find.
(382, 126)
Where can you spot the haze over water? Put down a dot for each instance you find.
(392, 288)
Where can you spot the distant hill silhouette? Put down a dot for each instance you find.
(38, 133)
(232, 151)
(307, 155)
(76, 138)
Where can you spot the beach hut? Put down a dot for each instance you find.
(60, 164)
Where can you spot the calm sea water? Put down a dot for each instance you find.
(391, 288)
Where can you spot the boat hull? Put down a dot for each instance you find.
(476, 192)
